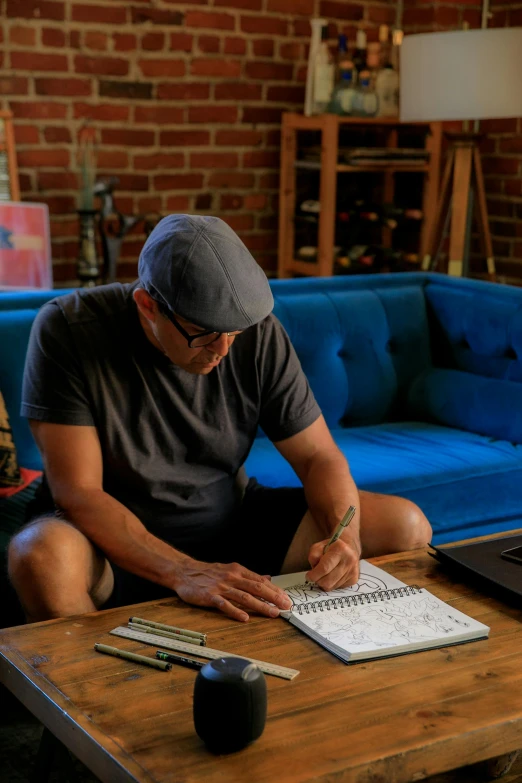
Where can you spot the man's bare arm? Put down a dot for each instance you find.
(74, 469)
(330, 490)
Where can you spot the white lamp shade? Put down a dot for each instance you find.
(463, 75)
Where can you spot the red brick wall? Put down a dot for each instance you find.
(185, 97)
(502, 147)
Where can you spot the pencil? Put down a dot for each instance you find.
(129, 656)
(182, 660)
(343, 524)
(171, 628)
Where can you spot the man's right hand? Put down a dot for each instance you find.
(231, 588)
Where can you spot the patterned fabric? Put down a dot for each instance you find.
(13, 514)
(10, 475)
(13, 511)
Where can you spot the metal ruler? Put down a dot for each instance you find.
(203, 652)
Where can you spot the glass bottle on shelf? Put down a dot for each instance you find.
(387, 90)
(373, 57)
(359, 55)
(344, 62)
(397, 39)
(342, 54)
(387, 79)
(315, 41)
(384, 45)
(365, 102)
(323, 75)
(343, 95)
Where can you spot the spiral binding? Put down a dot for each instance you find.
(357, 599)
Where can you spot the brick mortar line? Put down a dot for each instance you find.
(235, 13)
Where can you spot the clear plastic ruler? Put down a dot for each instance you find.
(203, 652)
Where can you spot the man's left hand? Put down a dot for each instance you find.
(337, 567)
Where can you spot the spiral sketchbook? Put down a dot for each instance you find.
(378, 617)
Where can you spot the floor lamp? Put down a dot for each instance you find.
(463, 75)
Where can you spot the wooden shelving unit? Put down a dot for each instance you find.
(9, 185)
(329, 168)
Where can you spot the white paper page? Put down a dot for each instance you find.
(411, 621)
(371, 580)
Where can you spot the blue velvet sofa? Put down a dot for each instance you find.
(419, 377)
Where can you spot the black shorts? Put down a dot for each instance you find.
(258, 538)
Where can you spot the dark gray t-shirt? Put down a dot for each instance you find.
(172, 442)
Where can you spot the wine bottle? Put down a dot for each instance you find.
(393, 215)
(349, 215)
(311, 205)
(365, 102)
(397, 39)
(384, 45)
(323, 75)
(359, 55)
(343, 95)
(317, 25)
(374, 258)
(344, 63)
(387, 80)
(388, 215)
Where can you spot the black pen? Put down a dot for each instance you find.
(191, 663)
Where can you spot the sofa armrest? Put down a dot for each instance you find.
(487, 406)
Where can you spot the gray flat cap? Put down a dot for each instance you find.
(198, 267)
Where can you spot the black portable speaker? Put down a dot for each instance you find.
(229, 704)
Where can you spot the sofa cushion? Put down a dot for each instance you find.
(398, 457)
(471, 402)
(359, 349)
(471, 506)
(454, 476)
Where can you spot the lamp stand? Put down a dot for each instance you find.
(462, 180)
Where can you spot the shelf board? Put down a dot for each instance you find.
(390, 167)
(316, 121)
(369, 120)
(303, 267)
(342, 167)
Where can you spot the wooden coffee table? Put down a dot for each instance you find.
(398, 719)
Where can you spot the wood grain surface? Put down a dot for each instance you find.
(387, 721)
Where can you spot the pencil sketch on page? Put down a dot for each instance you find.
(308, 592)
(411, 618)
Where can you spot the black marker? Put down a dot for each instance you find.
(191, 663)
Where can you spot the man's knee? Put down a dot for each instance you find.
(416, 531)
(56, 571)
(45, 544)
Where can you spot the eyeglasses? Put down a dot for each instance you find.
(195, 340)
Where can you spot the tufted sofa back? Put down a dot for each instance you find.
(360, 349)
(476, 327)
(362, 341)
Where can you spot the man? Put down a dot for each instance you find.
(144, 400)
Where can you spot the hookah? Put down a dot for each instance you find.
(113, 226)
